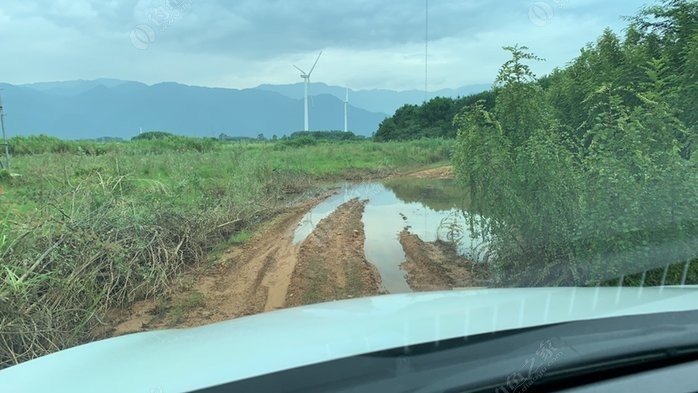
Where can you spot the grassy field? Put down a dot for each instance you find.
(86, 226)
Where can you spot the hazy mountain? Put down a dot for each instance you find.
(117, 108)
(70, 88)
(92, 109)
(376, 100)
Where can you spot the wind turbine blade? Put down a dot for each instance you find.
(316, 60)
(302, 72)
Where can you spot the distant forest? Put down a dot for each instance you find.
(434, 119)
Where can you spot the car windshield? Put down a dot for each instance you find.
(176, 163)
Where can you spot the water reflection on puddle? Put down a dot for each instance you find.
(421, 205)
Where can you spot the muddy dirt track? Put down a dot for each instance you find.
(433, 266)
(270, 272)
(331, 262)
(247, 280)
(442, 172)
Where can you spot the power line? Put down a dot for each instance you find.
(4, 136)
(426, 54)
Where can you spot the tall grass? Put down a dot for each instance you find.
(42, 144)
(82, 233)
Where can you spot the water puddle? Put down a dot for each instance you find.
(429, 208)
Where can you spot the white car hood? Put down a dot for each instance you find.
(189, 359)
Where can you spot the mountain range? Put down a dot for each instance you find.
(89, 109)
(377, 100)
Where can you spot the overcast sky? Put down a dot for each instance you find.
(244, 43)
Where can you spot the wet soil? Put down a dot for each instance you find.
(433, 266)
(331, 261)
(248, 279)
(442, 172)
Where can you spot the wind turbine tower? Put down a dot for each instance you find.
(306, 80)
(346, 111)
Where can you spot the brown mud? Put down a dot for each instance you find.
(442, 172)
(247, 279)
(331, 262)
(433, 266)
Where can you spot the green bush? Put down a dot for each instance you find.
(152, 135)
(326, 135)
(299, 141)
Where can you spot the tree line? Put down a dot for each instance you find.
(433, 119)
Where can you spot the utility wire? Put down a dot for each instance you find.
(426, 54)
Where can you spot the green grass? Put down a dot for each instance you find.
(89, 227)
(191, 301)
(241, 237)
(236, 239)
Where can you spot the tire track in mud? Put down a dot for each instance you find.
(433, 266)
(331, 261)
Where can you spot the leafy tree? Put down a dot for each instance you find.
(514, 166)
(520, 105)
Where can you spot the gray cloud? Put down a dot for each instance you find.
(278, 27)
(242, 43)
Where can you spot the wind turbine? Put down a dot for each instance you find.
(306, 79)
(346, 111)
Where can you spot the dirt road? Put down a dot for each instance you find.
(247, 280)
(269, 271)
(442, 172)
